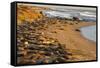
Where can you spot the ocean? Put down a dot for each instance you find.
(89, 32)
(82, 15)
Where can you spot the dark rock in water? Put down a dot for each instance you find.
(75, 19)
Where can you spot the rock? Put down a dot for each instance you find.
(20, 48)
(71, 23)
(36, 48)
(75, 19)
(77, 30)
(53, 32)
(26, 43)
(21, 53)
(61, 28)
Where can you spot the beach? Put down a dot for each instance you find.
(73, 40)
(43, 39)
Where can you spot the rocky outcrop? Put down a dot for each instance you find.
(28, 13)
(34, 47)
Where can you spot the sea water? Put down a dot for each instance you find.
(69, 14)
(89, 32)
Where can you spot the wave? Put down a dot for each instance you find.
(57, 14)
(87, 16)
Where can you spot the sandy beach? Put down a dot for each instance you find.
(51, 40)
(73, 40)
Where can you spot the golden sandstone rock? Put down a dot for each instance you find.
(26, 13)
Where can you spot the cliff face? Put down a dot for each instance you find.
(28, 13)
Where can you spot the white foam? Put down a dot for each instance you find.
(59, 14)
(82, 15)
(88, 14)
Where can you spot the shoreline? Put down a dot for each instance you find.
(88, 38)
(86, 46)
